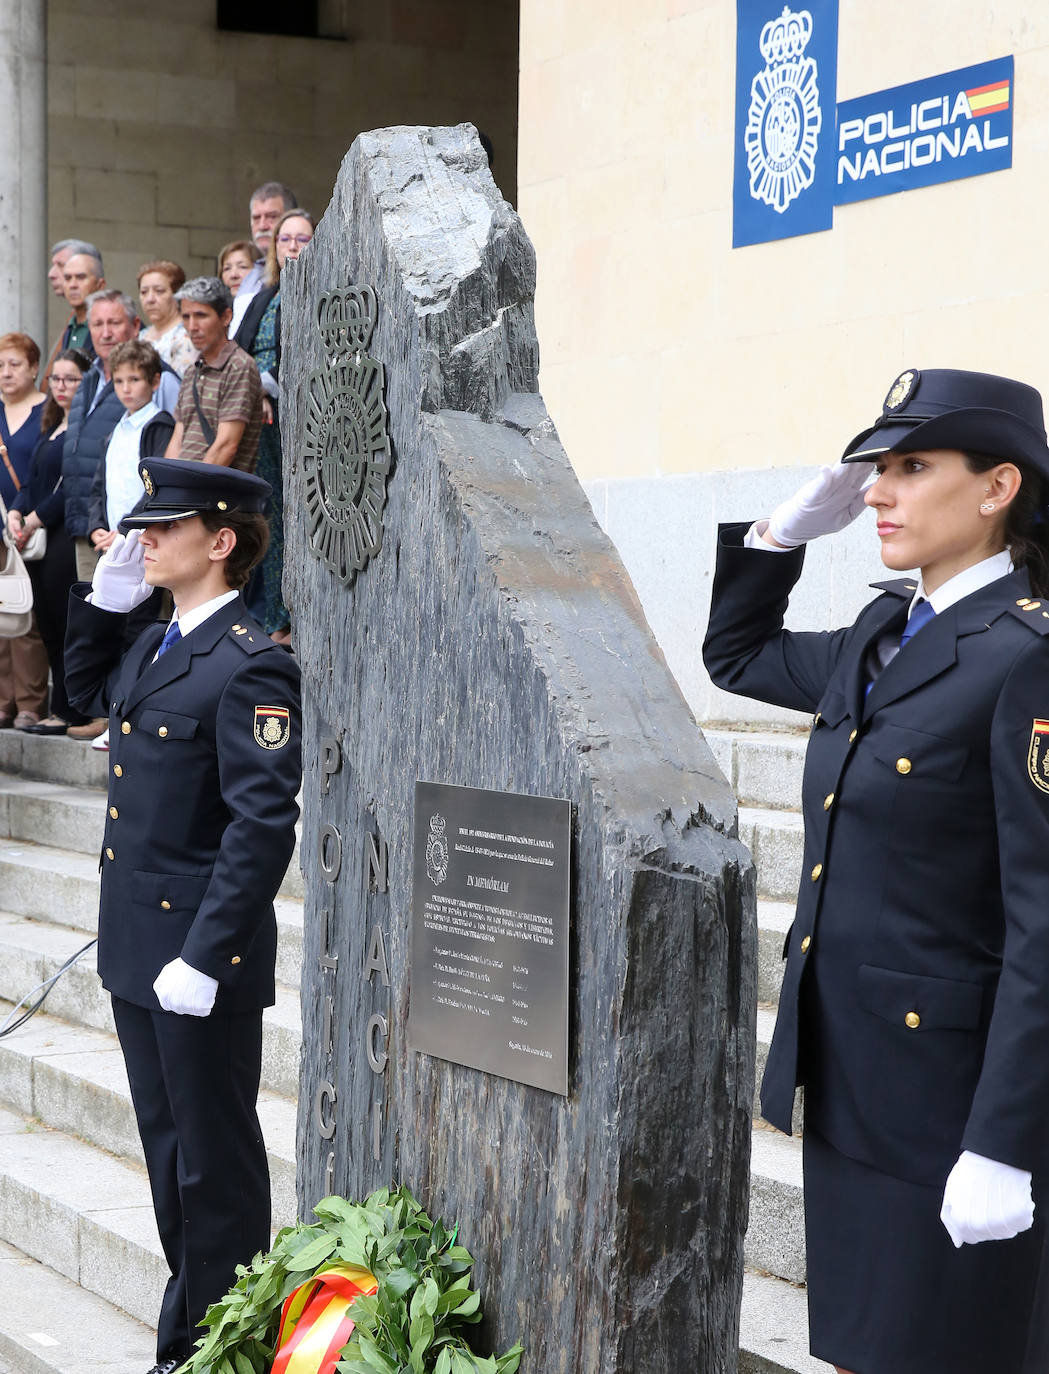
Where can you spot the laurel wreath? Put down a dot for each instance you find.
(413, 1324)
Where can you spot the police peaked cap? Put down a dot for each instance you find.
(176, 488)
(946, 408)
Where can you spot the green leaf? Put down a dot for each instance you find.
(313, 1254)
(444, 1362)
(243, 1365)
(469, 1305)
(508, 1363)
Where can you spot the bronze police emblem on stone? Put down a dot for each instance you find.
(347, 447)
(901, 389)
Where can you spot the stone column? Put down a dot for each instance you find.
(23, 169)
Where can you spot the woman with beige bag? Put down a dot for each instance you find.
(38, 514)
(23, 661)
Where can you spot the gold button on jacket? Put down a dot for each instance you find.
(912, 1020)
(805, 944)
(817, 871)
(903, 766)
(125, 729)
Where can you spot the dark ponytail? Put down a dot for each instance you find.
(1026, 521)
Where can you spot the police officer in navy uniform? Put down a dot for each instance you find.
(204, 771)
(915, 1002)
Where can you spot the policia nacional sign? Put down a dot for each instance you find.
(799, 153)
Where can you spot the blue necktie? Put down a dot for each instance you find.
(920, 616)
(171, 636)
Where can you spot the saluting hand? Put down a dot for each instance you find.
(986, 1200)
(118, 583)
(185, 990)
(824, 505)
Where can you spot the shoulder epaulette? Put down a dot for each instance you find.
(1033, 613)
(250, 638)
(899, 586)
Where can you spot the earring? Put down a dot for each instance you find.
(987, 507)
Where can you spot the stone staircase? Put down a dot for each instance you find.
(81, 1270)
(765, 772)
(80, 1265)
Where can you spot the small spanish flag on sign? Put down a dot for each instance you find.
(315, 1323)
(987, 100)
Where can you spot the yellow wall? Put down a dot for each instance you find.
(666, 351)
(160, 126)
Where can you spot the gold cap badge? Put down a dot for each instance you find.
(147, 482)
(901, 390)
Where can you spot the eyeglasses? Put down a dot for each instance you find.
(286, 240)
(64, 381)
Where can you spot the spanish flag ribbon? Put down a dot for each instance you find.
(315, 1323)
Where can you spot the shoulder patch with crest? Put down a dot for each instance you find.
(1038, 755)
(273, 727)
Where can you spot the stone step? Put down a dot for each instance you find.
(775, 1240)
(73, 1079)
(774, 921)
(776, 839)
(53, 884)
(70, 762)
(31, 950)
(50, 814)
(50, 1325)
(84, 1213)
(773, 1329)
(763, 767)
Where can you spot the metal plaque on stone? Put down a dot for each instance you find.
(490, 912)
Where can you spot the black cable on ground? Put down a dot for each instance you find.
(43, 988)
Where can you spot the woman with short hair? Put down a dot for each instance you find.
(158, 281)
(41, 504)
(23, 661)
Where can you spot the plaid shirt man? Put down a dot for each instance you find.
(227, 389)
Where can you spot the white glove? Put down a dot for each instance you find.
(184, 990)
(118, 583)
(826, 504)
(985, 1200)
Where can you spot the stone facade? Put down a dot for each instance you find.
(160, 125)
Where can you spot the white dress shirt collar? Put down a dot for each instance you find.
(966, 582)
(188, 623)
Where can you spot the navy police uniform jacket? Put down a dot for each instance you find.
(204, 771)
(915, 1001)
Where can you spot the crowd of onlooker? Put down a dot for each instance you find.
(190, 370)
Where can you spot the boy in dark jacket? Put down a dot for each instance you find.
(142, 431)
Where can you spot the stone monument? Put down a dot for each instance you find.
(461, 619)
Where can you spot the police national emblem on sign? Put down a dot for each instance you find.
(784, 120)
(437, 851)
(272, 726)
(346, 458)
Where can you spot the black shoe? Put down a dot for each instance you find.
(165, 1367)
(53, 725)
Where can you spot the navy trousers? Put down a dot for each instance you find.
(194, 1081)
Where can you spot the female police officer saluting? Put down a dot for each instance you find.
(915, 1003)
